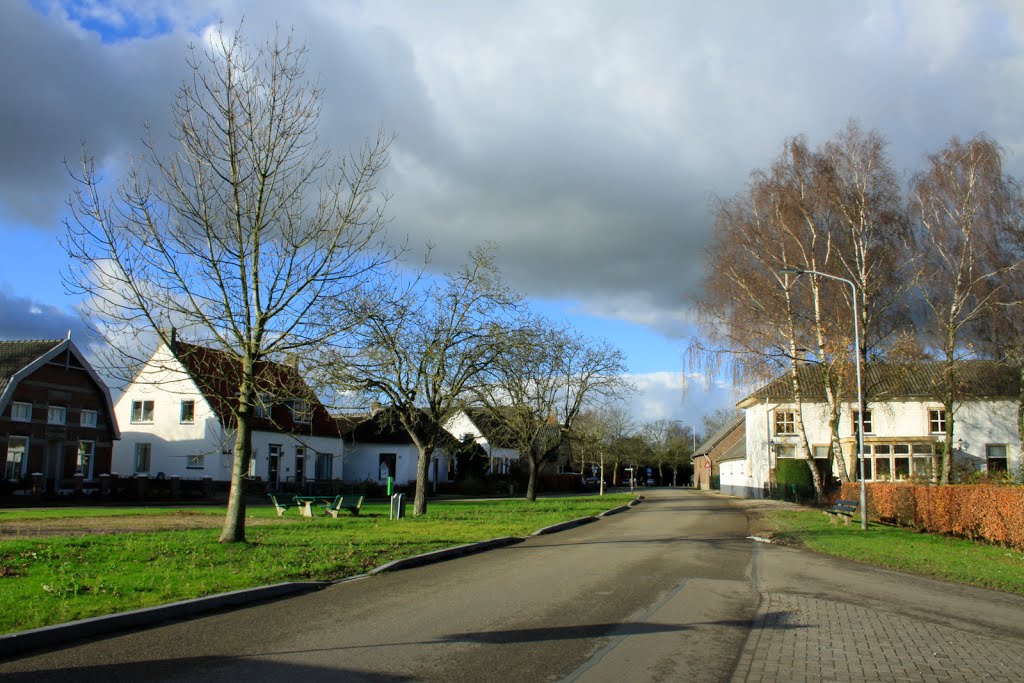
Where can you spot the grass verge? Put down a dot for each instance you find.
(905, 550)
(48, 580)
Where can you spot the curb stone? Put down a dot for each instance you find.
(21, 642)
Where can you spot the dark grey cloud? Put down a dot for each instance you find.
(585, 138)
(24, 318)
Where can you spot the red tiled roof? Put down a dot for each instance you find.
(218, 375)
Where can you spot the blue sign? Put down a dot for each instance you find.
(649, 471)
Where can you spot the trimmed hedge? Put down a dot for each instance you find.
(793, 471)
(975, 511)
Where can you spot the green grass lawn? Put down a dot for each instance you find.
(905, 550)
(55, 579)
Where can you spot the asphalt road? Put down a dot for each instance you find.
(670, 591)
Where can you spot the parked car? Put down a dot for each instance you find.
(650, 482)
(591, 483)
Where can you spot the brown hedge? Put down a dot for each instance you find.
(976, 511)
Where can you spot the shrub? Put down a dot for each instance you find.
(975, 511)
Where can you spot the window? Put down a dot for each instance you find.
(785, 422)
(821, 452)
(83, 466)
(14, 467)
(87, 418)
(142, 452)
(56, 415)
(188, 412)
(867, 422)
(995, 457)
(301, 411)
(785, 450)
(21, 412)
(937, 421)
(324, 462)
(922, 460)
(142, 411)
(196, 462)
(262, 407)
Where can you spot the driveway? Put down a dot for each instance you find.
(671, 590)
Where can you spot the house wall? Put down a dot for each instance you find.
(736, 481)
(977, 423)
(502, 459)
(53, 449)
(362, 463)
(175, 446)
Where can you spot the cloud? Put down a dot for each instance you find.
(586, 138)
(25, 318)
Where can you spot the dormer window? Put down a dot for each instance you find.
(262, 406)
(301, 411)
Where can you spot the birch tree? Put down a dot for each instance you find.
(235, 236)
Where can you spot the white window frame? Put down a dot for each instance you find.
(56, 415)
(263, 404)
(85, 468)
(1005, 457)
(192, 417)
(784, 422)
(22, 463)
(302, 411)
(88, 418)
(196, 461)
(868, 425)
(143, 457)
(937, 418)
(19, 407)
(138, 414)
(785, 451)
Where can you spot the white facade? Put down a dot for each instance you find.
(460, 425)
(171, 429)
(734, 477)
(899, 436)
(368, 462)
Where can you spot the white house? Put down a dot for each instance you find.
(904, 423)
(377, 447)
(177, 421)
(478, 426)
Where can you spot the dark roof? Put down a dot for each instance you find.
(17, 355)
(716, 438)
(383, 426)
(489, 424)
(890, 381)
(218, 375)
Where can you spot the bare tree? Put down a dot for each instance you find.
(238, 236)
(423, 348)
(965, 212)
(544, 378)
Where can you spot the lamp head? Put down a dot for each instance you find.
(788, 270)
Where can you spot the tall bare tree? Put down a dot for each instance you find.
(965, 212)
(422, 349)
(238, 235)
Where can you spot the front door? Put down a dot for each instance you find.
(274, 464)
(54, 469)
(300, 464)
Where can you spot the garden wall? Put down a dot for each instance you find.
(976, 511)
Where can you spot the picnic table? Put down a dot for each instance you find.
(306, 503)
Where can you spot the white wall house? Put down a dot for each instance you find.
(903, 425)
(475, 425)
(376, 448)
(176, 422)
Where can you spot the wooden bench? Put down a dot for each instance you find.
(281, 505)
(843, 508)
(351, 503)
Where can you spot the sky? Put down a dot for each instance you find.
(587, 140)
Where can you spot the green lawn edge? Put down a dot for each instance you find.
(56, 579)
(906, 550)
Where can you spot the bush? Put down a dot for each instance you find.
(975, 511)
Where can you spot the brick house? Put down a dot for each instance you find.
(57, 422)
(727, 445)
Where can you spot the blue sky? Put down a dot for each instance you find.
(586, 139)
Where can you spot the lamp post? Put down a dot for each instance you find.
(860, 390)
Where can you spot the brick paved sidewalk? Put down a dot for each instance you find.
(797, 638)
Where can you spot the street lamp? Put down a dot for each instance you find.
(860, 391)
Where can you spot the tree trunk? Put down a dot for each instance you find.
(531, 486)
(422, 474)
(234, 519)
